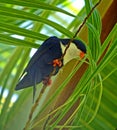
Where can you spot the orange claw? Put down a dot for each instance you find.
(57, 62)
(82, 54)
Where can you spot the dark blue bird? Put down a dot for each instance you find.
(44, 61)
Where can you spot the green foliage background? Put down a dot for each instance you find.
(35, 21)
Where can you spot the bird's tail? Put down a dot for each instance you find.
(25, 82)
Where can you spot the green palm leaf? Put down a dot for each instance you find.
(83, 94)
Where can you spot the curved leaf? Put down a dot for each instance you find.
(36, 4)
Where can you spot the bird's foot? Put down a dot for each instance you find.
(57, 62)
(47, 81)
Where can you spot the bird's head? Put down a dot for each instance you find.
(77, 44)
(80, 45)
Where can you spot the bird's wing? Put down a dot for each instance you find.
(39, 60)
(37, 55)
(47, 44)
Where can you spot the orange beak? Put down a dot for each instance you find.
(82, 54)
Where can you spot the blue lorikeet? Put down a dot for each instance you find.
(44, 61)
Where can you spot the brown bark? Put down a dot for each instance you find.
(109, 20)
